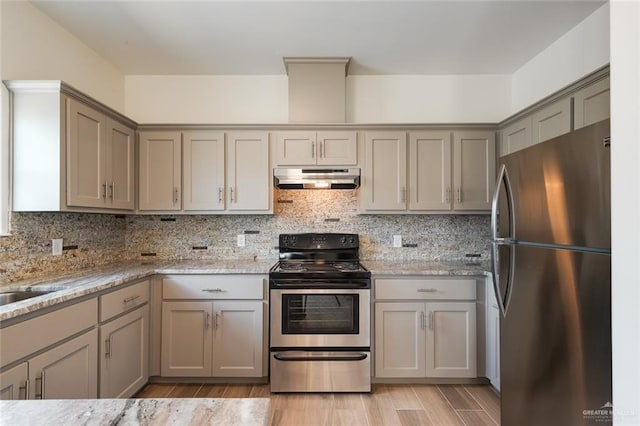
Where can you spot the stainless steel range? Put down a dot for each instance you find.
(320, 315)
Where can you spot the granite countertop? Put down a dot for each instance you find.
(69, 286)
(385, 267)
(161, 411)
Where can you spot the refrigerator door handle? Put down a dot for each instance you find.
(503, 179)
(503, 176)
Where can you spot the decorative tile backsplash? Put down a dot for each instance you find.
(435, 237)
(89, 240)
(104, 239)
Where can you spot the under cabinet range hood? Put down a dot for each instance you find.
(290, 178)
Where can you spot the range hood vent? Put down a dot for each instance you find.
(316, 178)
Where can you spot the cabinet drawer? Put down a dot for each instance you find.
(420, 288)
(213, 287)
(125, 299)
(25, 338)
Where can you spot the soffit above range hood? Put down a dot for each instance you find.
(317, 89)
(291, 178)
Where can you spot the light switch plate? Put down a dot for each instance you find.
(397, 240)
(56, 246)
(241, 240)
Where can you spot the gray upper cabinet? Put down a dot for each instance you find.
(384, 183)
(474, 165)
(70, 153)
(430, 170)
(551, 121)
(516, 136)
(570, 109)
(591, 104)
(330, 148)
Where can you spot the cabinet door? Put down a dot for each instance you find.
(385, 171)
(124, 354)
(551, 121)
(296, 148)
(430, 171)
(237, 344)
(248, 172)
(493, 346)
(337, 148)
(186, 339)
(591, 104)
(451, 339)
(68, 371)
(13, 383)
(400, 340)
(515, 136)
(203, 175)
(474, 170)
(160, 171)
(120, 156)
(86, 156)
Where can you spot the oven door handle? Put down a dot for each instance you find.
(300, 357)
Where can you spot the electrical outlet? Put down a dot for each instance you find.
(56, 246)
(241, 240)
(397, 240)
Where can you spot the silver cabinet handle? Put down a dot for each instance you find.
(448, 195)
(431, 320)
(41, 380)
(213, 290)
(313, 149)
(206, 320)
(459, 194)
(220, 195)
(107, 347)
(130, 299)
(321, 149)
(175, 195)
(113, 190)
(215, 321)
(403, 194)
(110, 191)
(231, 191)
(427, 290)
(422, 320)
(104, 191)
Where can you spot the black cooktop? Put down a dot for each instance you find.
(319, 256)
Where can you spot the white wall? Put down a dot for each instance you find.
(36, 47)
(370, 99)
(224, 99)
(428, 98)
(580, 51)
(625, 209)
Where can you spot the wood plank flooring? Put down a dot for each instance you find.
(403, 405)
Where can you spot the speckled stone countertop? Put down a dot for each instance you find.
(69, 286)
(162, 411)
(381, 267)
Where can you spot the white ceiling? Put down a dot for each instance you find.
(382, 37)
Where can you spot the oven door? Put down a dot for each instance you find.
(320, 318)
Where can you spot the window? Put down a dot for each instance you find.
(4, 160)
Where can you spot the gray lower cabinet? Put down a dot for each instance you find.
(124, 340)
(212, 326)
(124, 354)
(68, 371)
(13, 382)
(425, 327)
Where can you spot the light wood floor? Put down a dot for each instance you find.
(440, 405)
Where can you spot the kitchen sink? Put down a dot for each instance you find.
(16, 296)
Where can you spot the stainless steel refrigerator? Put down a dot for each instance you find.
(551, 254)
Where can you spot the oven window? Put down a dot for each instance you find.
(320, 314)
